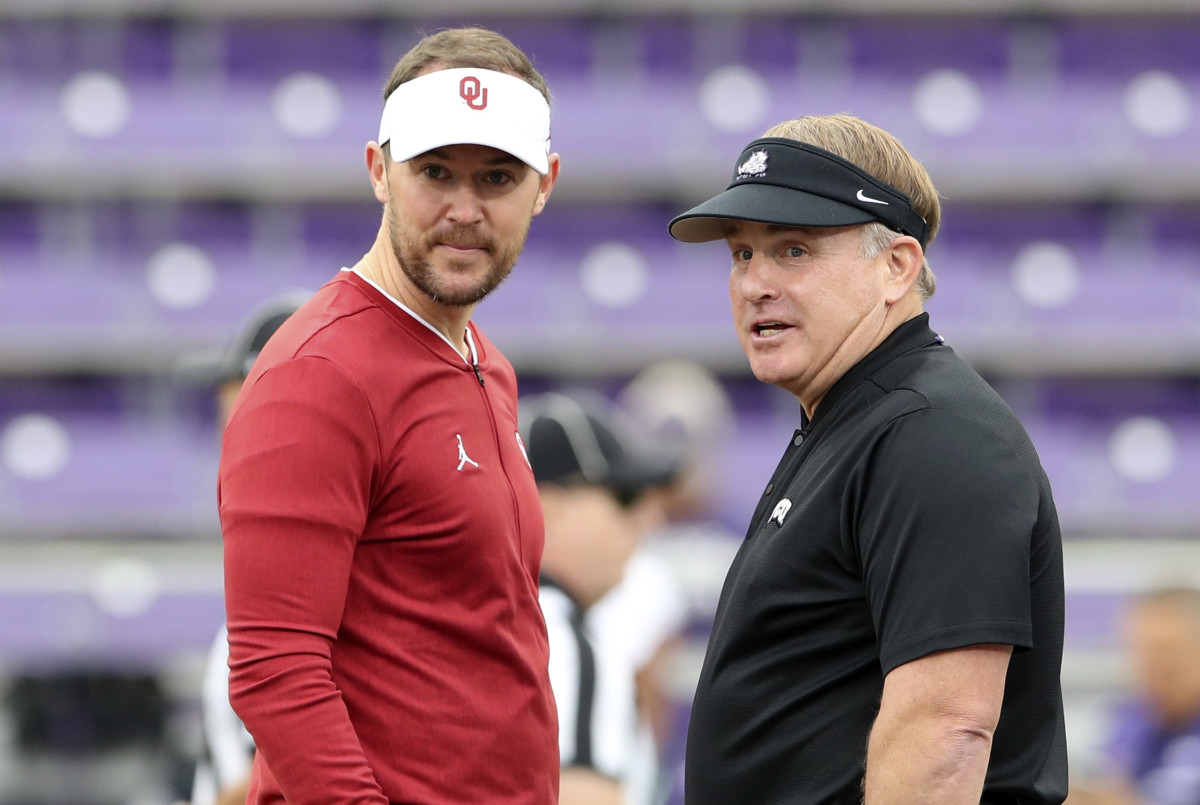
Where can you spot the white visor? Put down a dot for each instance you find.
(468, 105)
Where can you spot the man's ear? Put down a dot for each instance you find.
(377, 169)
(905, 257)
(547, 184)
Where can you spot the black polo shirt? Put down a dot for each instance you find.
(911, 515)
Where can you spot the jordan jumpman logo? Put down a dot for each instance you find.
(463, 458)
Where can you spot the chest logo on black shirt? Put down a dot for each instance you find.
(463, 458)
(781, 510)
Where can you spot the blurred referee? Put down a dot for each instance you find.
(891, 629)
(592, 483)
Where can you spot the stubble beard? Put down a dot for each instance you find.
(412, 253)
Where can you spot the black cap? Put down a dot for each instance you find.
(782, 181)
(257, 329)
(569, 441)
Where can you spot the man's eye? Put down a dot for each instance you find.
(794, 251)
(497, 177)
(742, 255)
(434, 171)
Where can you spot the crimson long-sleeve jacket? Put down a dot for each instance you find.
(382, 541)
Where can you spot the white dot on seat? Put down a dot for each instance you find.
(614, 274)
(1046, 274)
(125, 587)
(95, 104)
(181, 275)
(35, 446)
(1157, 103)
(734, 98)
(307, 105)
(948, 102)
(1143, 449)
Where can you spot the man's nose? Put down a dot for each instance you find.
(759, 280)
(465, 205)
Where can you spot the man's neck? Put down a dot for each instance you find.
(908, 308)
(381, 267)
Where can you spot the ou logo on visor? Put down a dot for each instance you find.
(474, 93)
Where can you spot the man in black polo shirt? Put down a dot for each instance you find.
(891, 629)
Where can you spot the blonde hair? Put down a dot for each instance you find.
(880, 154)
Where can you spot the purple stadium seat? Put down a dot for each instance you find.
(640, 125)
(46, 631)
(125, 472)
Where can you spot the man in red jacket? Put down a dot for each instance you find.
(381, 521)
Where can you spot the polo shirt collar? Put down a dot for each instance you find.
(910, 335)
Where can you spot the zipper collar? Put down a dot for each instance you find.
(473, 362)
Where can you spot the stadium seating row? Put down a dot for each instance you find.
(1074, 108)
(99, 287)
(110, 459)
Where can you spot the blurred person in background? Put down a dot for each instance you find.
(891, 629)
(227, 750)
(685, 410)
(592, 482)
(381, 523)
(672, 581)
(1153, 756)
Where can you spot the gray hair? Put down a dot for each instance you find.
(876, 237)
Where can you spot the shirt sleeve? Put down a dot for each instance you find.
(944, 515)
(298, 461)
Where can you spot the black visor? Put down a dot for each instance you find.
(790, 183)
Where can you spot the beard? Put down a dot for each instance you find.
(412, 252)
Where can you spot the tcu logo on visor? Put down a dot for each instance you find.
(474, 93)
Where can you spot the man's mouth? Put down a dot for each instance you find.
(766, 329)
(462, 239)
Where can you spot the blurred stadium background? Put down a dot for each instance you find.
(166, 165)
